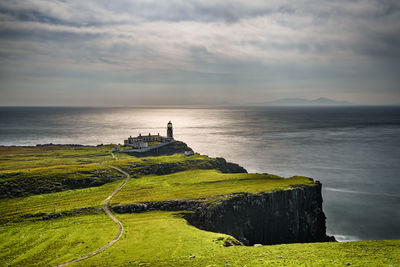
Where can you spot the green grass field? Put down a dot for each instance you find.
(36, 170)
(67, 200)
(200, 184)
(18, 183)
(20, 158)
(165, 239)
(126, 161)
(48, 243)
(152, 238)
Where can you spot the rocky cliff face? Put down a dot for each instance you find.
(286, 216)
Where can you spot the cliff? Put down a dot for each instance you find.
(285, 216)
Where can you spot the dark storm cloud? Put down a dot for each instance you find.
(268, 46)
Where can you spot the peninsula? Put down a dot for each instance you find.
(168, 207)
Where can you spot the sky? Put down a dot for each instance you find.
(213, 52)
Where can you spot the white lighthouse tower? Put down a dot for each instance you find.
(170, 134)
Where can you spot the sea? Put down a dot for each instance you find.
(354, 151)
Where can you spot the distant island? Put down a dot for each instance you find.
(322, 101)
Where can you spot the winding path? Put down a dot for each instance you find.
(112, 154)
(105, 207)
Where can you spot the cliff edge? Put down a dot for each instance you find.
(285, 216)
(280, 217)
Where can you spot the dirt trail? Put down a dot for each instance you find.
(105, 207)
(115, 157)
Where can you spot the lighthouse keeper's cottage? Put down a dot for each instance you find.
(142, 141)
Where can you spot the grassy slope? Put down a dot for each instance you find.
(165, 239)
(162, 239)
(197, 184)
(57, 168)
(34, 170)
(19, 158)
(66, 200)
(157, 238)
(43, 180)
(125, 161)
(53, 242)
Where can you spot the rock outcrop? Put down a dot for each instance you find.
(228, 167)
(285, 216)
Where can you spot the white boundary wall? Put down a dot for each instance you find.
(146, 148)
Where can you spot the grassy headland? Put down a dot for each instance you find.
(30, 236)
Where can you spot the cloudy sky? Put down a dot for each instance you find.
(120, 52)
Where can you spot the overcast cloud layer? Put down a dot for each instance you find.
(198, 52)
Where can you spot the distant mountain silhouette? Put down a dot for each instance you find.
(306, 102)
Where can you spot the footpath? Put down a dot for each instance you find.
(106, 209)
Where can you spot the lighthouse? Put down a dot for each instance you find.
(170, 134)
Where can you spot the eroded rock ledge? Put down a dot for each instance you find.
(285, 216)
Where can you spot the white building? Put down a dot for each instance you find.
(142, 141)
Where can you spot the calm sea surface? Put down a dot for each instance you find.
(353, 151)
